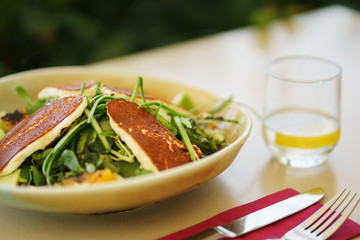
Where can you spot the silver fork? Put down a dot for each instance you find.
(324, 222)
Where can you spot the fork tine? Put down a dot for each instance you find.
(330, 222)
(335, 215)
(331, 230)
(333, 207)
(308, 222)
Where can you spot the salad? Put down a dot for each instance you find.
(106, 134)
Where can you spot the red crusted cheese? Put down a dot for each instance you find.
(38, 130)
(155, 147)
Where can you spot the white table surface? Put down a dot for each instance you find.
(229, 63)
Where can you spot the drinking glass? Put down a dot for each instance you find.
(301, 119)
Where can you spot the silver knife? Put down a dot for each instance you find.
(262, 217)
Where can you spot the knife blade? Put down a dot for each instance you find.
(262, 217)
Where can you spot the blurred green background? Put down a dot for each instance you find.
(42, 33)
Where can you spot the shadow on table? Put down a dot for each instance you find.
(276, 176)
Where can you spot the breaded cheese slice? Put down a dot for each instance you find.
(154, 146)
(126, 94)
(68, 90)
(38, 130)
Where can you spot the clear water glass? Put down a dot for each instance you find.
(301, 119)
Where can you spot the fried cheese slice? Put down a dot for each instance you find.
(126, 94)
(154, 146)
(68, 90)
(38, 130)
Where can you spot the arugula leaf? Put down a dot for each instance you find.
(93, 158)
(71, 161)
(221, 106)
(23, 93)
(35, 106)
(38, 177)
(169, 125)
(109, 163)
(82, 89)
(25, 174)
(32, 106)
(158, 109)
(186, 122)
(98, 88)
(98, 147)
(168, 109)
(131, 169)
(99, 98)
(136, 89)
(111, 134)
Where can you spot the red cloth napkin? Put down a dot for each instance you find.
(348, 230)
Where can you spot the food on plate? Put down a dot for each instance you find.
(10, 120)
(103, 175)
(126, 94)
(68, 89)
(140, 131)
(38, 130)
(90, 132)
